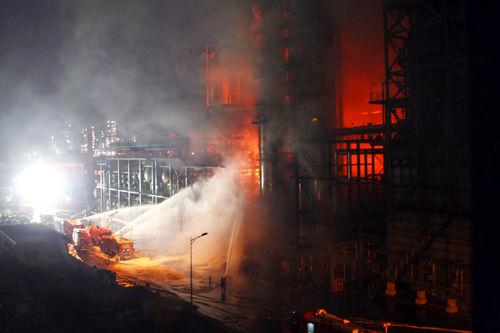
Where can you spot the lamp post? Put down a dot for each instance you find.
(191, 260)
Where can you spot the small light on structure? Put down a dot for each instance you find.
(314, 120)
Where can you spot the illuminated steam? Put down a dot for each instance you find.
(211, 205)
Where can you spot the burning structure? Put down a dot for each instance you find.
(387, 204)
(380, 204)
(415, 162)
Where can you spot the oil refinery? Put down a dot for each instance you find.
(247, 166)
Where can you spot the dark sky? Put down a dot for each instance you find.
(138, 62)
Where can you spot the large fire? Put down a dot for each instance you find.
(362, 62)
(232, 90)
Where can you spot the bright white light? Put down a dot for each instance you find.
(40, 185)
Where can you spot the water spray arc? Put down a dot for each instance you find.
(161, 231)
(234, 232)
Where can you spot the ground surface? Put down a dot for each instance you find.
(253, 305)
(74, 297)
(97, 293)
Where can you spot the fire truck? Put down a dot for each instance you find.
(97, 234)
(69, 225)
(81, 239)
(115, 246)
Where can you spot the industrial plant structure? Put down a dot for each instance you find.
(384, 205)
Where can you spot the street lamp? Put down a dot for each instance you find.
(191, 260)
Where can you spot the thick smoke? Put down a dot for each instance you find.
(84, 62)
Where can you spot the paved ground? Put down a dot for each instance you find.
(237, 311)
(252, 305)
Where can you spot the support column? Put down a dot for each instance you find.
(128, 183)
(110, 171)
(118, 183)
(154, 181)
(139, 175)
(103, 184)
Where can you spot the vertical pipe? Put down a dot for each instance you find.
(128, 182)
(110, 170)
(155, 181)
(170, 179)
(185, 177)
(151, 181)
(118, 183)
(139, 175)
(103, 184)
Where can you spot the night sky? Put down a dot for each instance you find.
(84, 62)
(140, 63)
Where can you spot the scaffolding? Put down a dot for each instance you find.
(426, 143)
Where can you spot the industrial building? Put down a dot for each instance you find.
(385, 206)
(339, 158)
(409, 175)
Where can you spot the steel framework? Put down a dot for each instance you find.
(125, 182)
(427, 154)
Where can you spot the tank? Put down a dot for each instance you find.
(165, 177)
(147, 175)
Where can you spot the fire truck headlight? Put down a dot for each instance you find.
(40, 185)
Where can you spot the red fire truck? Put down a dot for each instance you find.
(81, 239)
(69, 225)
(97, 233)
(117, 246)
